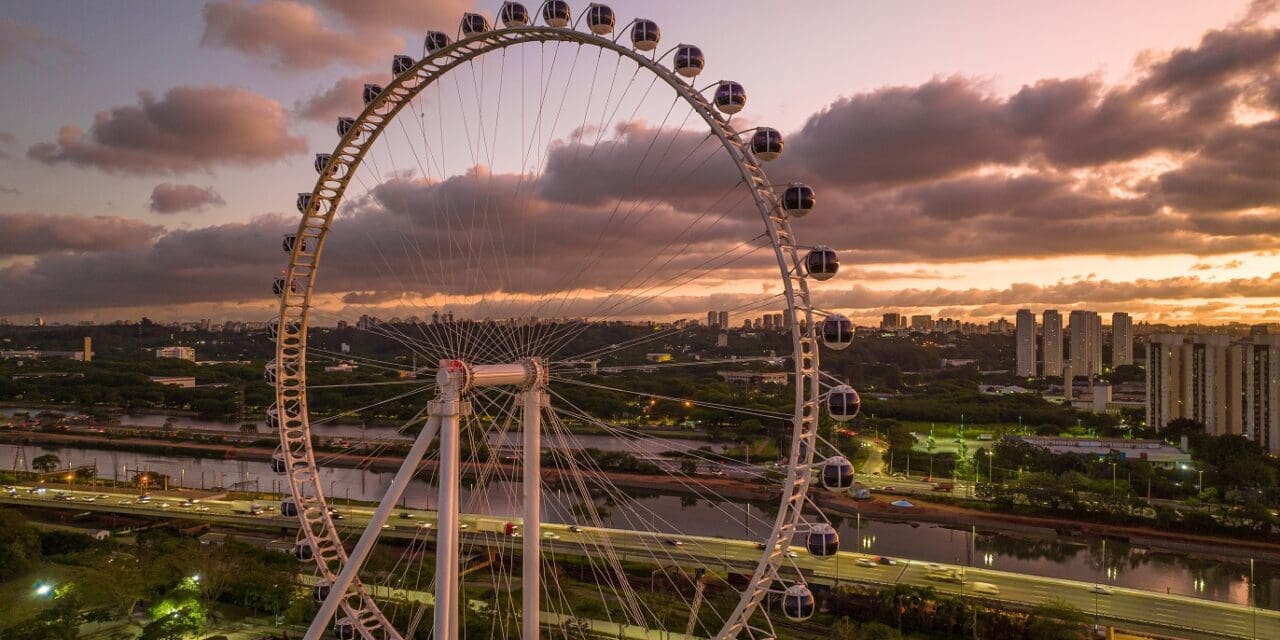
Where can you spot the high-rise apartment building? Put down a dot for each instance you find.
(711, 318)
(923, 324)
(1121, 339)
(1230, 388)
(1025, 338)
(892, 321)
(1086, 343)
(724, 320)
(1052, 347)
(1259, 360)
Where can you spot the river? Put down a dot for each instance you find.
(644, 447)
(1112, 562)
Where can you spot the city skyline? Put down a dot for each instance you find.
(181, 223)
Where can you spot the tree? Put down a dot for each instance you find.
(19, 545)
(119, 579)
(46, 463)
(178, 615)
(1057, 620)
(62, 620)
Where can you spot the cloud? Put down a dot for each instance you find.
(343, 98)
(900, 134)
(9, 190)
(174, 198)
(187, 129)
(6, 139)
(945, 171)
(222, 263)
(1062, 294)
(291, 35)
(27, 43)
(415, 15)
(31, 234)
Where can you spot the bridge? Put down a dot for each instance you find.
(1130, 609)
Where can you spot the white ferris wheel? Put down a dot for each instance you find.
(525, 185)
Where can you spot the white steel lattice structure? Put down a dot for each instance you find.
(526, 380)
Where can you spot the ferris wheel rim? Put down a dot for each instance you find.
(294, 424)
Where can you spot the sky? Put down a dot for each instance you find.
(970, 159)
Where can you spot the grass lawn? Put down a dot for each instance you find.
(19, 594)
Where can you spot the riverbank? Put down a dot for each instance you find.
(713, 487)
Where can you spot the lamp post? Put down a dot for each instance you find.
(1253, 602)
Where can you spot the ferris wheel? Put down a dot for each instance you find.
(509, 193)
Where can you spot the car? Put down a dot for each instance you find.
(126, 501)
(144, 498)
(163, 505)
(985, 588)
(864, 562)
(387, 526)
(186, 504)
(424, 525)
(886, 560)
(791, 554)
(463, 525)
(11, 491)
(64, 497)
(899, 475)
(875, 473)
(88, 499)
(335, 514)
(406, 515)
(575, 528)
(550, 535)
(675, 543)
(1102, 590)
(761, 546)
(103, 496)
(888, 487)
(202, 508)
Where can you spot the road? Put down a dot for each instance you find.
(1130, 609)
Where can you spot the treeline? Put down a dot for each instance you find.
(902, 609)
(171, 576)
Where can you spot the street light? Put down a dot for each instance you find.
(44, 589)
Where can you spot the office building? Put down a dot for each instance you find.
(1086, 343)
(88, 350)
(1121, 339)
(181, 353)
(1025, 338)
(922, 324)
(892, 321)
(1052, 344)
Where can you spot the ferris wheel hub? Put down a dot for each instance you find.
(526, 373)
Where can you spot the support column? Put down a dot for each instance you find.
(446, 609)
(355, 560)
(531, 581)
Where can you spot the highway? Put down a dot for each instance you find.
(1129, 609)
